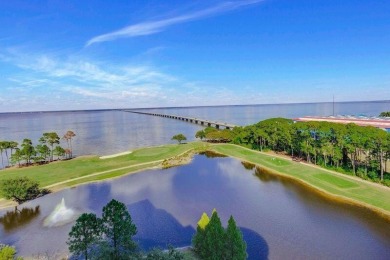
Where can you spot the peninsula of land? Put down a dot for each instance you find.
(340, 187)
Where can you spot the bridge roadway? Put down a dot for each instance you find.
(194, 120)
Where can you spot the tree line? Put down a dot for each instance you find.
(26, 153)
(212, 241)
(358, 150)
(111, 237)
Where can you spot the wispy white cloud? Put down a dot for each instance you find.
(49, 82)
(82, 83)
(152, 27)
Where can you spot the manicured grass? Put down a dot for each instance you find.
(66, 170)
(331, 182)
(91, 168)
(277, 161)
(341, 183)
(111, 174)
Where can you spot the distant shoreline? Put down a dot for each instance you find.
(184, 107)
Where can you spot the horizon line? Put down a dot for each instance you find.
(196, 106)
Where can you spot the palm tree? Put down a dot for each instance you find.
(6, 146)
(28, 150)
(13, 145)
(50, 138)
(68, 137)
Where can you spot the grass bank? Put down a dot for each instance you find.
(337, 186)
(59, 175)
(62, 174)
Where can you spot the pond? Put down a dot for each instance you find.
(279, 219)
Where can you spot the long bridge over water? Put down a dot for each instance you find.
(193, 120)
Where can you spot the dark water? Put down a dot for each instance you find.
(107, 132)
(279, 220)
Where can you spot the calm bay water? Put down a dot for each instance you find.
(107, 132)
(279, 220)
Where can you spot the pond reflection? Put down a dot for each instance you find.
(18, 218)
(280, 219)
(212, 154)
(158, 228)
(248, 165)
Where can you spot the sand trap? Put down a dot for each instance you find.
(115, 155)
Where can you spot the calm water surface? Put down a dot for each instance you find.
(107, 132)
(279, 220)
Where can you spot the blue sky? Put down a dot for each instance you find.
(59, 55)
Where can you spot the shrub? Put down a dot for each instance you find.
(21, 189)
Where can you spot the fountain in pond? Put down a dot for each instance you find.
(61, 215)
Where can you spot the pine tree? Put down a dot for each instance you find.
(235, 246)
(119, 229)
(214, 239)
(85, 234)
(199, 238)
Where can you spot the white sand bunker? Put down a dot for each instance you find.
(114, 155)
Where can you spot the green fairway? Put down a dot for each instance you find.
(339, 182)
(58, 172)
(330, 182)
(91, 168)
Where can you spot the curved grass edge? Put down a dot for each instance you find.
(381, 212)
(166, 152)
(93, 169)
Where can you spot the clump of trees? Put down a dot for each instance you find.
(349, 148)
(213, 135)
(21, 189)
(385, 114)
(179, 137)
(110, 237)
(212, 241)
(26, 153)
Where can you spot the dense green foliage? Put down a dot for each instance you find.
(235, 246)
(111, 237)
(107, 238)
(385, 114)
(363, 151)
(214, 135)
(212, 241)
(7, 252)
(20, 189)
(179, 138)
(85, 235)
(51, 139)
(119, 229)
(200, 134)
(43, 152)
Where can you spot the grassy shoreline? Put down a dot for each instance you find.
(85, 169)
(330, 184)
(336, 186)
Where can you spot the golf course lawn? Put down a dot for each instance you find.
(97, 169)
(343, 186)
(58, 175)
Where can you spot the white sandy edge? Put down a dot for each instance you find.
(114, 155)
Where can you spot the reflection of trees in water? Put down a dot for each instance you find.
(210, 154)
(319, 201)
(248, 165)
(18, 218)
(264, 175)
